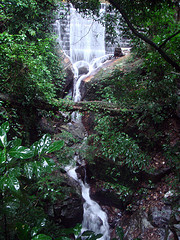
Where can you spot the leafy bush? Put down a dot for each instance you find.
(20, 168)
(116, 145)
(31, 68)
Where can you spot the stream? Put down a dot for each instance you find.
(87, 53)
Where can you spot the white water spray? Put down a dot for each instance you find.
(86, 38)
(87, 52)
(94, 219)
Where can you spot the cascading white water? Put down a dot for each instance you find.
(86, 38)
(94, 219)
(87, 52)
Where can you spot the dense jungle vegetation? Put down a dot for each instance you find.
(146, 90)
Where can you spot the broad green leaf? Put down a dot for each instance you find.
(5, 127)
(37, 168)
(34, 149)
(98, 236)
(42, 145)
(3, 156)
(12, 183)
(16, 171)
(28, 169)
(77, 229)
(55, 146)
(87, 233)
(14, 143)
(3, 134)
(21, 152)
(47, 165)
(41, 237)
(3, 139)
(50, 162)
(3, 183)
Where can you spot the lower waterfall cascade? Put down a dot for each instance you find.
(94, 218)
(87, 53)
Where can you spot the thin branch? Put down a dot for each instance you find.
(167, 39)
(176, 73)
(85, 34)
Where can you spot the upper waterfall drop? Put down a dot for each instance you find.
(87, 38)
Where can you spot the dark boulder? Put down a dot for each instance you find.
(118, 52)
(82, 67)
(70, 212)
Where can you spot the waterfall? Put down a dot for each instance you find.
(94, 218)
(87, 52)
(86, 38)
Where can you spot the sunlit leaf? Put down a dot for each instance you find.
(41, 237)
(3, 155)
(12, 183)
(42, 145)
(37, 168)
(55, 146)
(21, 152)
(28, 169)
(3, 134)
(5, 127)
(15, 142)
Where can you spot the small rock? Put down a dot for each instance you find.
(160, 218)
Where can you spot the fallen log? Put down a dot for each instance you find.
(67, 105)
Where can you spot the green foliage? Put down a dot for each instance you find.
(20, 168)
(118, 146)
(12, 152)
(87, 235)
(31, 69)
(121, 191)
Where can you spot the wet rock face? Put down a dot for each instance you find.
(158, 224)
(106, 197)
(82, 67)
(68, 69)
(118, 52)
(160, 218)
(68, 212)
(81, 173)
